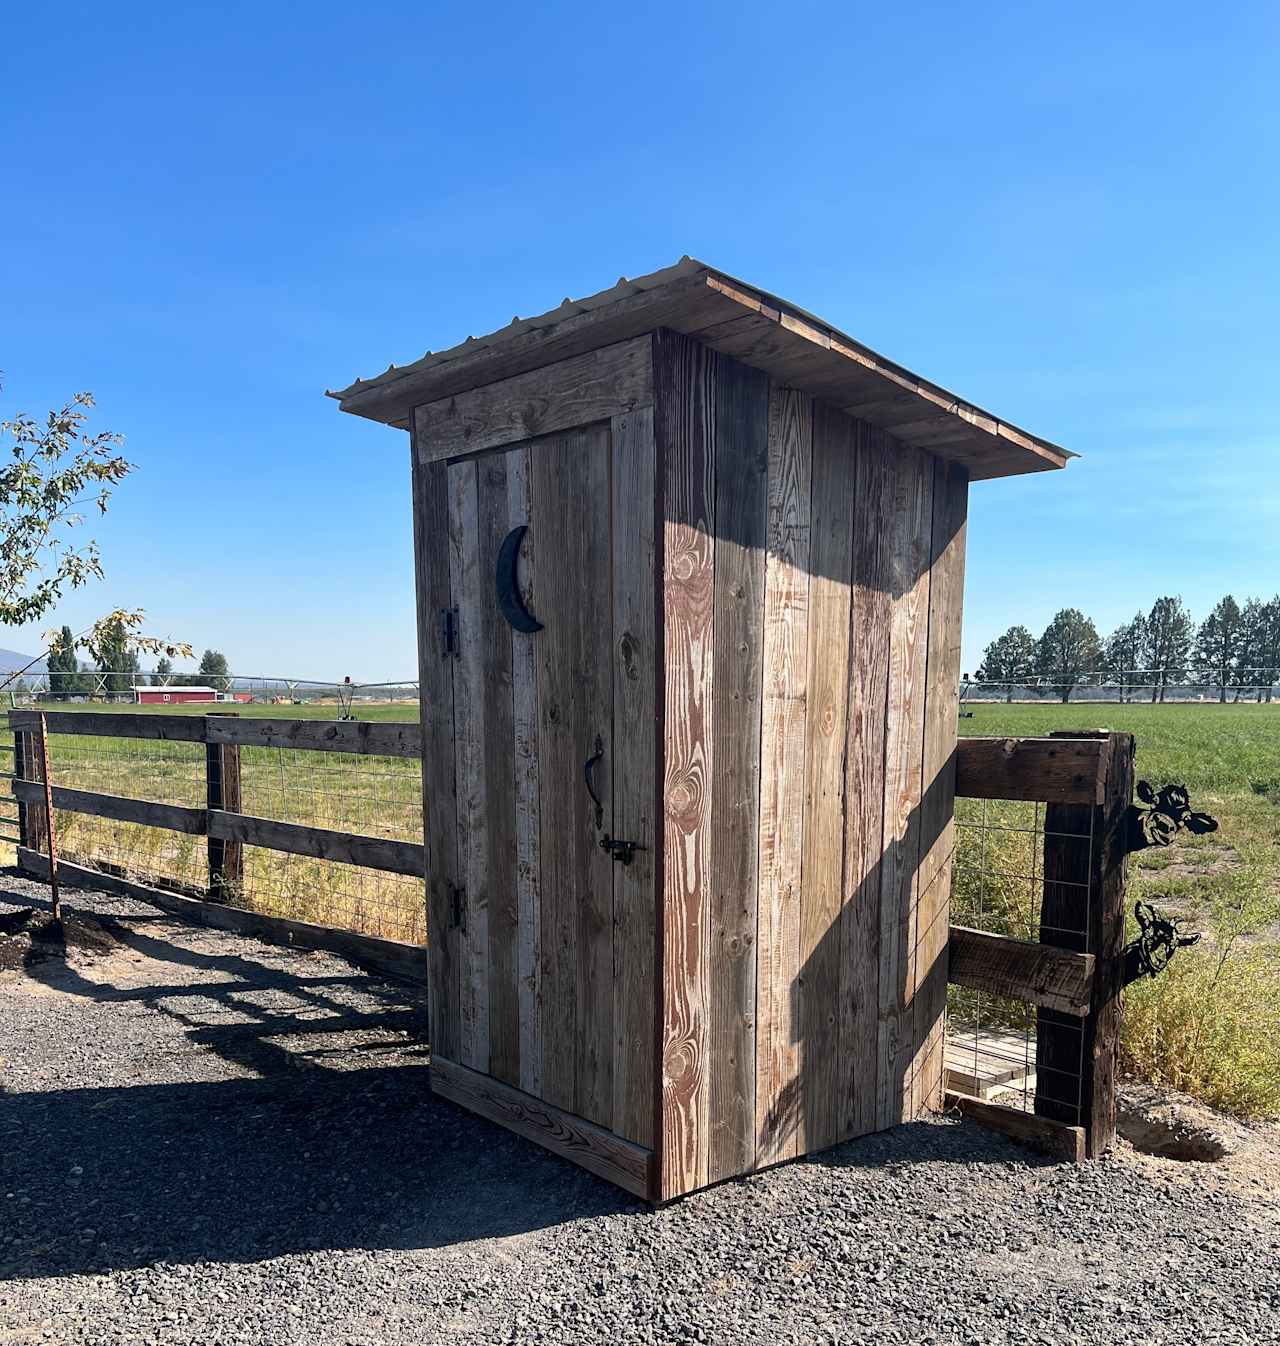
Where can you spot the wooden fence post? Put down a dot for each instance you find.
(26, 766)
(222, 791)
(1083, 909)
(51, 831)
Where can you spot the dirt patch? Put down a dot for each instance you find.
(1183, 1140)
(30, 936)
(1188, 862)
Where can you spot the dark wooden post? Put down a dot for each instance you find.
(26, 766)
(222, 781)
(1083, 909)
(51, 835)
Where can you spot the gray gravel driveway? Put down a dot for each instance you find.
(207, 1139)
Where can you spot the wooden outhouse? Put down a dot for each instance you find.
(689, 572)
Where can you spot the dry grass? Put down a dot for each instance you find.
(372, 796)
(1210, 1025)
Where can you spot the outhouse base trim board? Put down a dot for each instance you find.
(608, 1156)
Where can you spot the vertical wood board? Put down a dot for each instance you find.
(782, 753)
(524, 698)
(493, 635)
(634, 662)
(570, 480)
(741, 521)
(860, 925)
(470, 756)
(439, 804)
(684, 427)
(910, 530)
(937, 808)
(832, 528)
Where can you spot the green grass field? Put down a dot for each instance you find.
(372, 796)
(1209, 1026)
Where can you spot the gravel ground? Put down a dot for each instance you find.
(207, 1139)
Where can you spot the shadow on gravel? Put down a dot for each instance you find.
(242, 1170)
(907, 1147)
(329, 1147)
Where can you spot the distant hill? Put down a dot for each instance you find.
(11, 661)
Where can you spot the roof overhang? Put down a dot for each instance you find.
(749, 324)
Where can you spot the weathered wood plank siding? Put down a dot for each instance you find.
(813, 699)
(782, 749)
(573, 653)
(751, 607)
(440, 810)
(833, 525)
(859, 1063)
(524, 701)
(741, 487)
(684, 426)
(469, 756)
(635, 668)
(910, 526)
(938, 792)
(493, 640)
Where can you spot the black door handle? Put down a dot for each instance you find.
(588, 767)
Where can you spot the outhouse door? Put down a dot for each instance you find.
(551, 642)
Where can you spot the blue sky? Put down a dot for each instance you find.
(1067, 214)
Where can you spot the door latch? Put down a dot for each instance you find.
(621, 852)
(449, 632)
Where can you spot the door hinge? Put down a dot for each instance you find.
(449, 632)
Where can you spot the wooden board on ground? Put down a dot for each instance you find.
(595, 1149)
(1052, 1138)
(985, 1062)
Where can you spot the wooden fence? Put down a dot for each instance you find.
(1071, 975)
(221, 821)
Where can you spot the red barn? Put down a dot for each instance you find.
(173, 696)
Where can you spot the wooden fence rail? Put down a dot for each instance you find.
(350, 736)
(221, 821)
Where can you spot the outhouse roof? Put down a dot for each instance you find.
(741, 320)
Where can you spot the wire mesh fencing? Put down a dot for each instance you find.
(1021, 869)
(1136, 686)
(358, 793)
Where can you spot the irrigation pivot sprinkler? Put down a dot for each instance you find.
(345, 690)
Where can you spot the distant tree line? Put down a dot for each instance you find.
(118, 669)
(1156, 650)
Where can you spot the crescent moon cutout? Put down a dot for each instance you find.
(510, 603)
